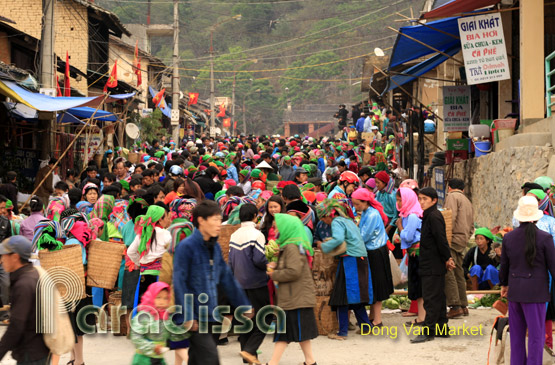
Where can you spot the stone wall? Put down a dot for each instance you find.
(493, 182)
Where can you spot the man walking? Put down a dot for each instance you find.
(20, 338)
(435, 261)
(463, 226)
(199, 269)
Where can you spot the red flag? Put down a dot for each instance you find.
(235, 125)
(193, 98)
(227, 122)
(67, 89)
(207, 111)
(139, 74)
(158, 98)
(58, 90)
(137, 65)
(222, 111)
(113, 79)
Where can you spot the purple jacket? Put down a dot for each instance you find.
(527, 284)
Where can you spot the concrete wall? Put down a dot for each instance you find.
(71, 30)
(493, 181)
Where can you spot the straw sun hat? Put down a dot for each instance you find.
(527, 210)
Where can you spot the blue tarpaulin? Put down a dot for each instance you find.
(86, 112)
(420, 69)
(406, 49)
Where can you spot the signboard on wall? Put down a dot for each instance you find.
(456, 108)
(440, 185)
(483, 47)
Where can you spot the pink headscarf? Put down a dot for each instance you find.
(367, 195)
(96, 225)
(147, 300)
(410, 203)
(320, 197)
(82, 232)
(371, 182)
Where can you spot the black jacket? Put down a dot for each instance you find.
(434, 248)
(9, 190)
(21, 337)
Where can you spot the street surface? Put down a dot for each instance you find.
(361, 350)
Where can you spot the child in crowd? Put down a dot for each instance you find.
(151, 327)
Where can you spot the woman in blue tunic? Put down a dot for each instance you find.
(352, 289)
(372, 230)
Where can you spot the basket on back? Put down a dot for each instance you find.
(104, 262)
(59, 263)
(225, 235)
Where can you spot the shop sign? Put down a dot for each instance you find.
(483, 47)
(440, 185)
(456, 108)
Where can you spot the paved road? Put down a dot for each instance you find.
(108, 349)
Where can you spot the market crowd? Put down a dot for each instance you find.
(287, 199)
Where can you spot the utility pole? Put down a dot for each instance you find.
(212, 115)
(47, 67)
(175, 78)
(244, 120)
(233, 107)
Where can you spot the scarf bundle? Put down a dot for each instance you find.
(180, 229)
(48, 235)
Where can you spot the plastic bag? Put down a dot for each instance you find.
(403, 266)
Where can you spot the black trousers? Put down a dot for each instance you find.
(203, 347)
(435, 303)
(259, 298)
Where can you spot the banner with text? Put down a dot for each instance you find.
(484, 51)
(456, 108)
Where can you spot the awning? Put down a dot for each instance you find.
(406, 49)
(87, 112)
(457, 7)
(50, 104)
(413, 72)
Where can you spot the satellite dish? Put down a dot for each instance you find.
(218, 130)
(379, 52)
(132, 130)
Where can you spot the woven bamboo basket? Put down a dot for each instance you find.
(104, 262)
(225, 235)
(448, 217)
(56, 263)
(326, 320)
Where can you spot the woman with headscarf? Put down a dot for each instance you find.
(102, 209)
(245, 181)
(381, 160)
(372, 229)
(478, 264)
(150, 244)
(352, 289)
(409, 225)
(295, 290)
(90, 196)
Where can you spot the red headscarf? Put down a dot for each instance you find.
(147, 300)
(367, 195)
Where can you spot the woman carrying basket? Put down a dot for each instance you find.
(352, 289)
(149, 245)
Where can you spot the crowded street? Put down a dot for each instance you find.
(277, 182)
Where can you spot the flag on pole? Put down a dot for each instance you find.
(113, 79)
(193, 98)
(67, 89)
(137, 65)
(222, 111)
(235, 125)
(58, 90)
(227, 122)
(158, 98)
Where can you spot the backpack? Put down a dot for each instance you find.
(53, 322)
(5, 228)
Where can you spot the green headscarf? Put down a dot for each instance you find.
(144, 227)
(540, 194)
(125, 185)
(9, 204)
(484, 232)
(544, 181)
(229, 158)
(256, 173)
(159, 154)
(291, 230)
